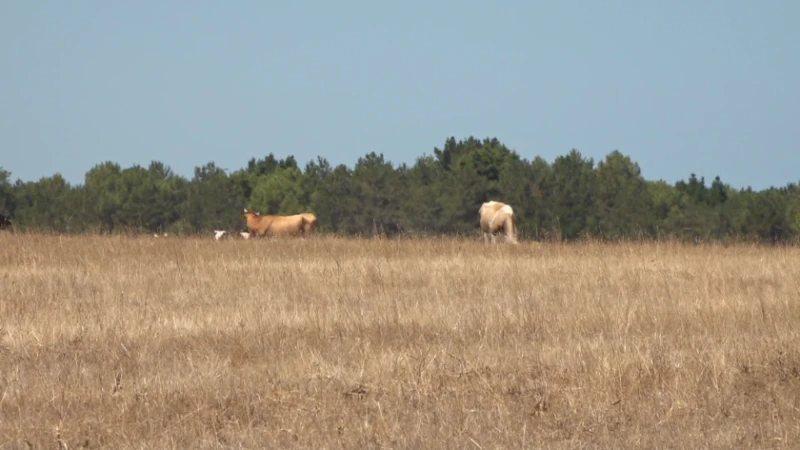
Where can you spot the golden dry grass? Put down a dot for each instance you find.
(120, 342)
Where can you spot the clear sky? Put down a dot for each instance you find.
(709, 87)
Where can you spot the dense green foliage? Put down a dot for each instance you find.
(570, 198)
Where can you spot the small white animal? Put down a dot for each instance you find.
(245, 234)
(218, 234)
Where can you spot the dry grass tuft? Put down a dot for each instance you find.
(121, 342)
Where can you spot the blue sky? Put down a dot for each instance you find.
(707, 87)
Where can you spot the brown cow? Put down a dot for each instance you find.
(498, 217)
(311, 222)
(261, 225)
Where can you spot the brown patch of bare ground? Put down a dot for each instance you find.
(128, 343)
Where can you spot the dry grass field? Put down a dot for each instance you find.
(134, 343)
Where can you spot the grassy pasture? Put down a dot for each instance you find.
(138, 342)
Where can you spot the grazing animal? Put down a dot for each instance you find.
(497, 217)
(218, 234)
(274, 225)
(311, 222)
(5, 222)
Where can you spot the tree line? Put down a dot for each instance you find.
(571, 198)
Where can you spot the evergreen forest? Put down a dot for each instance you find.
(572, 197)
